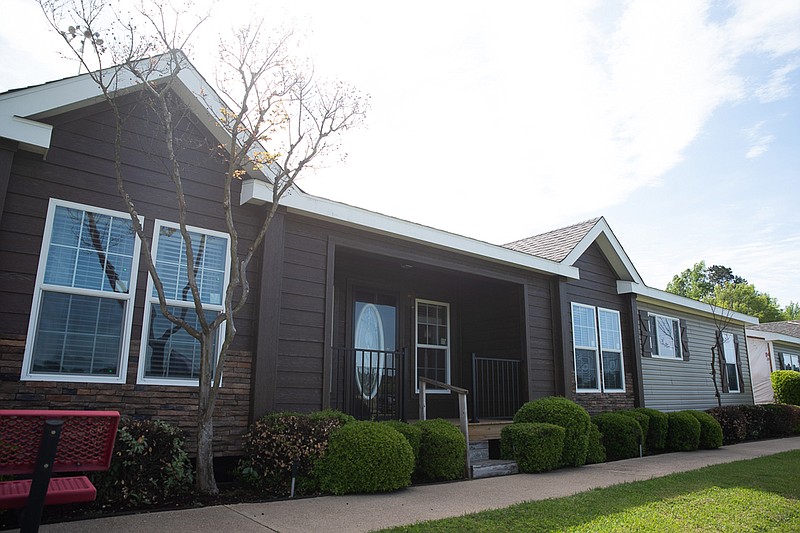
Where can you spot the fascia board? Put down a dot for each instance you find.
(19, 109)
(681, 303)
(611, 248)
(772, 336)
(258, 192)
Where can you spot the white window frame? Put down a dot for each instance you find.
(598, 350)
(152, 300)
(792, 359)
(576, 347)
(678, 347)
(40, 287)
(729, 352)
(620, 351)
(417, 346)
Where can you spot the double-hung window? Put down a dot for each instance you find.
(80, 321)
(665, 337)
(731, 368)
(597, 350)
(789, 361)
(169, 355)
(432, 342)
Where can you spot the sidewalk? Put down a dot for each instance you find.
(376, 511)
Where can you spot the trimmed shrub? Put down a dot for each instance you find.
(733, 422)
(684, 432)
(644, 423)
(656, 438)
(365, 457)
(596, 452)
(149, 465)
(776, 420)
(413, 435)
(536, 447)
(792, 413)
(710, 431)
(786, 384)
(567, 414)
(442, 450)
(331, 414)
(621, 435)
(278, 439)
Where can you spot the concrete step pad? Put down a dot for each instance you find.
(493, 468)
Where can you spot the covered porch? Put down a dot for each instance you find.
(397, 318)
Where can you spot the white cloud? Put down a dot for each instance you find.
(779, 85)
(759, 142)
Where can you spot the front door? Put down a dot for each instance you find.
(375, 363)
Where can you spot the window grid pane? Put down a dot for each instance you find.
(78, 334)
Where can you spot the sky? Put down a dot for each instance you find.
(679, 122)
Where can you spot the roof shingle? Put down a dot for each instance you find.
(790, 328)
(554, 245)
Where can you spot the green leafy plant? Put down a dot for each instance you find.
(644, 423)
(536, 447)
(567, 414)
(149, 466)
(656, 438)
(442, 450)
(684, 432)
(710, 431)
(622, 435)
(411, 432)
(596, 452)
(786, 384)
(364, 457)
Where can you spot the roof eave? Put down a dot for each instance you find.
(667, 299)
(258, 192)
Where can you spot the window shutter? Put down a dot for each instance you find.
(644, 334)
(684, 341)
(780, 361)
(721, 361)
(738, 362)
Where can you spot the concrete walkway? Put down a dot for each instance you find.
(370, 512)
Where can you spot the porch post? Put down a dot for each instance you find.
(423, 408)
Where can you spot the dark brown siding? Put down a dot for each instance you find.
(491, 306)
(79, 168)
(598, 287)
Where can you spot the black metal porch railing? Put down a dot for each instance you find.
(496, 387)
(368, 384)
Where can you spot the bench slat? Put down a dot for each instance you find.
(14, 494)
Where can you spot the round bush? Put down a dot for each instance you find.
(733, 422)
(597, 452)
(644, 423)
(786, 384)
(331, 414)
(656, 438)
(442, 450)
(149, 465)
(622, 435)
(365, 457)
(536, 447)
(684, 432)
(567, 414)
(710, 431)
(413, 434)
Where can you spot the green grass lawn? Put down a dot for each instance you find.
(757, 495)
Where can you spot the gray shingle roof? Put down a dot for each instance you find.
(790, 327)
(554, 245)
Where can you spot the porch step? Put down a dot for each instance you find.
(478, 451)
(493, 468)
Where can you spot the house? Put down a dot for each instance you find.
(348, 307)
(772, 346)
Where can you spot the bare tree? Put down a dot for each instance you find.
(278, 119)
(722, 320)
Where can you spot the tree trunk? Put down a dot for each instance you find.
(714, 376)
(206, 482)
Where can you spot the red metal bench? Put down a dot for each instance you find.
(42, 443)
